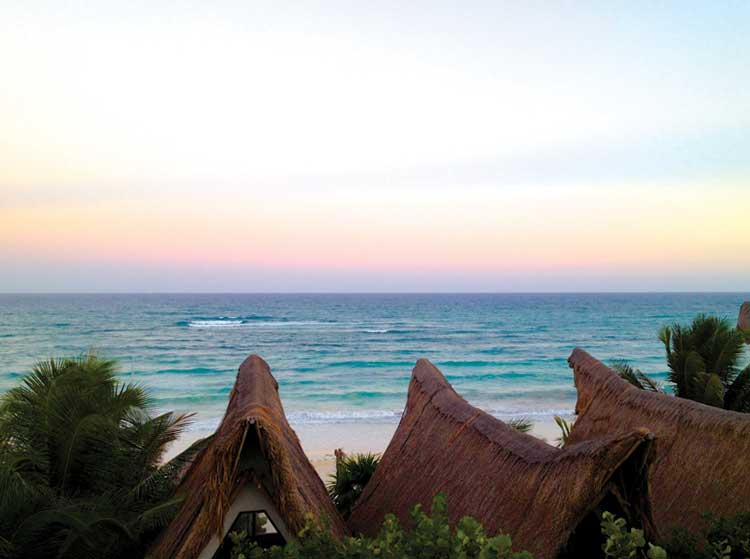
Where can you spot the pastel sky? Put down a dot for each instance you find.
(374, 146)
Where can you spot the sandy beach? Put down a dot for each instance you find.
(319, 441)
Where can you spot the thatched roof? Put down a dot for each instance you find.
(508, 480)
(702, 453)
(254, 414)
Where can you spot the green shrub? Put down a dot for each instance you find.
(730, 535)
(622, 543)
(723, 538)
(431, 537)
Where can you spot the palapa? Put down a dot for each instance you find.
(544, 497)
(254, 414)
(702, 453)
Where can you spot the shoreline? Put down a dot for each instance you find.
(320, 440)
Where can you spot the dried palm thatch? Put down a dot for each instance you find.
(544, 497)
(702, 453)
(254, 414)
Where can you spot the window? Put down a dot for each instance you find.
(259, 528)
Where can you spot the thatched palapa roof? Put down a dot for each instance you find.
(254, 414)
(508, 480)
(702, 453)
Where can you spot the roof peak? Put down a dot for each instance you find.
(253, 368)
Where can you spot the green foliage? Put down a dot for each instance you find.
(79, 455)
(636, 377)
(521, 424)
(622, 543)
(430, 537)
(703, 361)
(703, 364)
(565, 428)
(735, 531)
(737, 396)
(352, 474)
(723, 538)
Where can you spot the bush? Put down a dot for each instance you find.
(431, 537)
(624, 544)
(723, 538)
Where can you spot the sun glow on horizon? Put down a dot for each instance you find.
(416, 148)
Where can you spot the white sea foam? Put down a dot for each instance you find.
(531, 414)
(344, 416)
(219, 323)
(233, 322)
(315, 417)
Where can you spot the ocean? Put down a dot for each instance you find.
(343, 359)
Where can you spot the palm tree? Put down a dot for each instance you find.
(702, 360)
(352, 474)
(636, 377)
(79, 463)
(703, 364)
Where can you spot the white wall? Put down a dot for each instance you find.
(249, 498)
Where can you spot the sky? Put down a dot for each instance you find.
(374, 146)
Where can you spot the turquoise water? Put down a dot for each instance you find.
(347, 358)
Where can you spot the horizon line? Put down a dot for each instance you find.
(571, 292)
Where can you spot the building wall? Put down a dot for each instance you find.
(248, 499)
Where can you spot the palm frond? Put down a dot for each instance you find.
(737, 396)
(665, 336)
(80, 472)
(708, 389)
(636, 377)
(157, 516)
(703, 359)
(521, 424)
(151, 436)
(627, 372)
(351, 477)
(565, 429)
